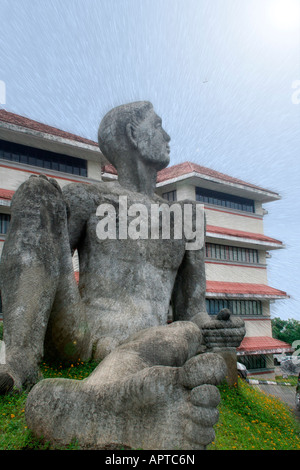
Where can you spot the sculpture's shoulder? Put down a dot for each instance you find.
(88, 195)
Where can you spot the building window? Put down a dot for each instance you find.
(225, 200)
(4, 223)
(231, 253)
(170, 196)
(237, 307)
(42, 158)
(257, 361)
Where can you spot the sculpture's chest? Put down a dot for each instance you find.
(132, 230)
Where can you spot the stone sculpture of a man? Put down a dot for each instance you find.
(153, 389)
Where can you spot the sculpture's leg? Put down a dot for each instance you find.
(152, 393)
(35, 258)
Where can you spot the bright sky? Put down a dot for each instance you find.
(223, 74)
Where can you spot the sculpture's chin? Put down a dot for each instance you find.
(162, 163)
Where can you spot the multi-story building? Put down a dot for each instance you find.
(236, 247)
(237, 251)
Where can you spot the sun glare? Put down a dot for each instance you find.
(285, 14)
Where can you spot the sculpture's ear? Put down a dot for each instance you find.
(130, 132)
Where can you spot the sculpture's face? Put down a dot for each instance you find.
(153, 141)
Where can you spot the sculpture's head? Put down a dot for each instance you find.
(134, 131)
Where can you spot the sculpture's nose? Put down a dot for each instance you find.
(166, 136)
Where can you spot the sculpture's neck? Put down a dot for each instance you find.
(138, 177)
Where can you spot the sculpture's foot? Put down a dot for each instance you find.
(158, 407)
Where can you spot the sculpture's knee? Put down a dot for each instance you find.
(103, 347)
(169, 345)
(38, 224)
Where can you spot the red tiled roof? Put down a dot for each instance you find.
(241, 234)
(6, 194)
(262, 343)
(181, 169)
(109, 169)
(188, 167)
(22, 121)
(242, 288)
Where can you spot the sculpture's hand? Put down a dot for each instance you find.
(224, 331)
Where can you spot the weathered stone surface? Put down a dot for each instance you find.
(221, 333)
(152, 389)
(129, 401)
(224, 314)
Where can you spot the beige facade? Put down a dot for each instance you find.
(231, 272)
(257, 328)
(228, 219)
(13, 175)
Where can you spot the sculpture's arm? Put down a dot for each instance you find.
(188, 298)
(79, 206)
(189, 303)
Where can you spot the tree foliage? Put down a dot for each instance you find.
(286, 330)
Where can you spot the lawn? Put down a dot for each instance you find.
(14, 434)
(249, 420)
(253, 420)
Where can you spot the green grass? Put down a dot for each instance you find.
(253, 420)
(292, 379)
(14, 434)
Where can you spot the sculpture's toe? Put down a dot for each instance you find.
(207, 368)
